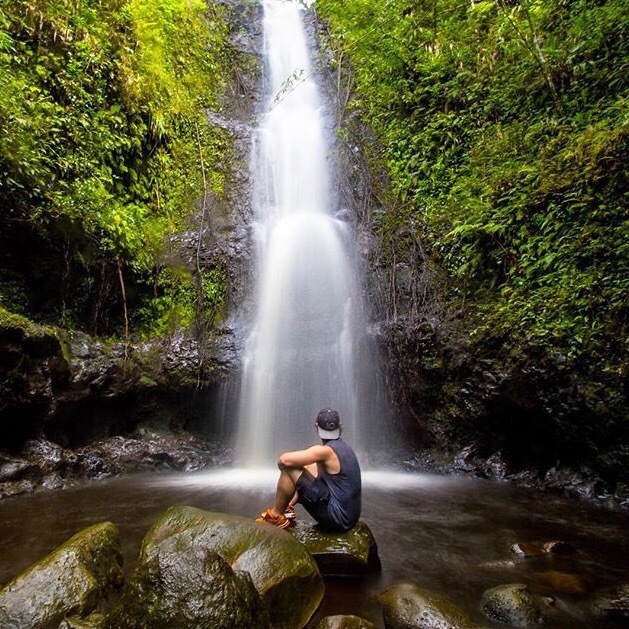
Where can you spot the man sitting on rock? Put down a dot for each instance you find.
(325, 479)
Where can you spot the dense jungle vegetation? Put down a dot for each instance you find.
(503, 127)
(105, 150)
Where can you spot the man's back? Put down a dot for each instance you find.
(345, 487)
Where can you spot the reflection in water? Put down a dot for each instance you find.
(449, 535)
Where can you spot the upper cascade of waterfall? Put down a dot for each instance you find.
(308, 347)
(293, 173)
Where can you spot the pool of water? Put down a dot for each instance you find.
(449, 535)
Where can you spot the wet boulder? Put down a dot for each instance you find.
(354, 552)
(73, 579)
(407, 606)
(495, 467)
(281, 570)
(343, 622)
(33, 368)
(188, 586)
(465, 460)
(527, 550)
(515, 605)
(582, 483)
(16, 488)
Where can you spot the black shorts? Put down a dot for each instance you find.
(314, 495)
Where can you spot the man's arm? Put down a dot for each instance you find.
(301, 458)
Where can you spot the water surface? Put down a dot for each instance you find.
(449, 535)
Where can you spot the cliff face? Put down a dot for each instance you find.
(523, 396)
(455, 387)
(538, 409)
(526, 402)
(72, 388)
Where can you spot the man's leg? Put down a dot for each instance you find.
(286, 493)
(314, 497)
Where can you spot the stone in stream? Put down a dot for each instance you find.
(339, 554)
(73, 579)
(515, 605)
(558, 547)
(527, 550)
(613, 603)
(343, 622)
(202, 569)
(407, 606)
(187, 586)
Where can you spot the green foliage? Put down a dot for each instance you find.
(103, 145)
(11, 320)
(182, 299)
(173, 304)
(214, 294)
(504, 128)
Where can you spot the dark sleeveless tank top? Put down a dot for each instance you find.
(345, 487)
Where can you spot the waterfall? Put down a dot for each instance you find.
(308, 347)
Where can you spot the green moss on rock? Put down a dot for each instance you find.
(513, 604)
(283, 573)
(73, 579)
(191, 586)
(353, 552)
(407, 606)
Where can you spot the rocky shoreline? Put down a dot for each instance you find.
(581, 484)
(74, 408)
(43, 465)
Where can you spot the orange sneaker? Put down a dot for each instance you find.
(281, 521)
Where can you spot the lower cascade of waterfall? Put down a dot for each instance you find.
(308, 347)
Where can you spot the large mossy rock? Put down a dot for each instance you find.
(352, 553)
(73, 579)
(33, 369)
(208, 544)
(407, 606)
(179, 588)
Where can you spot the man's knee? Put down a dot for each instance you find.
(293, 473)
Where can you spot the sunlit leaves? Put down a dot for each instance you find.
(101, 102)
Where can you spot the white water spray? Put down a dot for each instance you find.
(307, 348)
